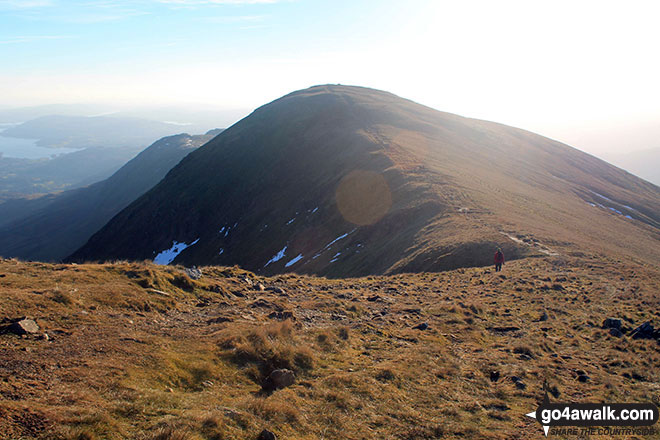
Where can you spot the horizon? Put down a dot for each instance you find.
(557, 69)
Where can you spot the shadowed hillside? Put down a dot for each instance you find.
(338, 181)
(56, 225)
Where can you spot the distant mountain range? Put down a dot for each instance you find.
(51, 227)
(344, 181)
(105, 143)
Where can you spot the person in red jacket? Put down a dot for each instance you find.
(499, 260)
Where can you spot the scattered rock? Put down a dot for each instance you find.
(266, 435)
(616, 332)
(494, 376)
(276, 289)
(373, 298)
(261, 287)
(218, 320)
(422, 326)
(23, 326)
(612, 323)
(544, 316)
(194, 273)
(583, 378)
(518, 382)
(279, 379)
(644, 331)
(281, 315)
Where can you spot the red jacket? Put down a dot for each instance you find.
(499, 257)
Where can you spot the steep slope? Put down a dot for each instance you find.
(338, 181)
(57, 226)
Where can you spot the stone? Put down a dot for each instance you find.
(494, 376)
(266, 435)
(261, 287)
(612, 323)
(23, 327)
(279, 379)
(616, 332)
(194, 273)
(422, 326)
(644, 331)
(583, 378)
(544, 317)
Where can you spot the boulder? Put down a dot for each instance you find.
(644, 331)
(616, 332)
(279, 379)
(422, 326)
(23, 326)
(266, 435)
(612, 323)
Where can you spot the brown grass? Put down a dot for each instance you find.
(123, 361)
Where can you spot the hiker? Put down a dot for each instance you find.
(499, 260)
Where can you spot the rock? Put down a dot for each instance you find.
(494, 376)
(23, 326)
(583, 378)
(422, 326)
(612, 323)
(193, 273)
(544, 316)
(282, 315)
(518, 382)
(276, 290)
(261, 287)
(616, 332)
(644, 331)
(279, 379)
(266, 435)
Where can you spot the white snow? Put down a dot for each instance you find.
(221, 251)
(333, 242)
(616, 210)
(315, 209)
(278, 256)
(227, 231)
(221, 230)
(294, 261)
(168, 255)
(291, 221)
(629, 217)
(601, 196)
(592, 204)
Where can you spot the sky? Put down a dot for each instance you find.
(583, 72)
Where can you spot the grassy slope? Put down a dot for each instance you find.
(125, 361)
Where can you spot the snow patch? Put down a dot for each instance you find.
(291, 221)
(278, 256)
(294, 261)
(221, 251)
(315, 209)
(168, 255)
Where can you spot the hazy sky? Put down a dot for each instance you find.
(584, 72)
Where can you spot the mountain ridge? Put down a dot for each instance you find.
(407, 187)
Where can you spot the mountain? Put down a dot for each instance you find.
(347, 181)
(56, 225)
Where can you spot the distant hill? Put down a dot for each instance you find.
(94, 131)
(343, 181)
(105, 142)
(54, 226)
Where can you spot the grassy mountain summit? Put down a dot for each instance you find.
(338, 180)
(56, 225)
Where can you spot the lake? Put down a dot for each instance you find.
(27, 148)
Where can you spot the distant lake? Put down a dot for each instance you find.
(27, 148)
